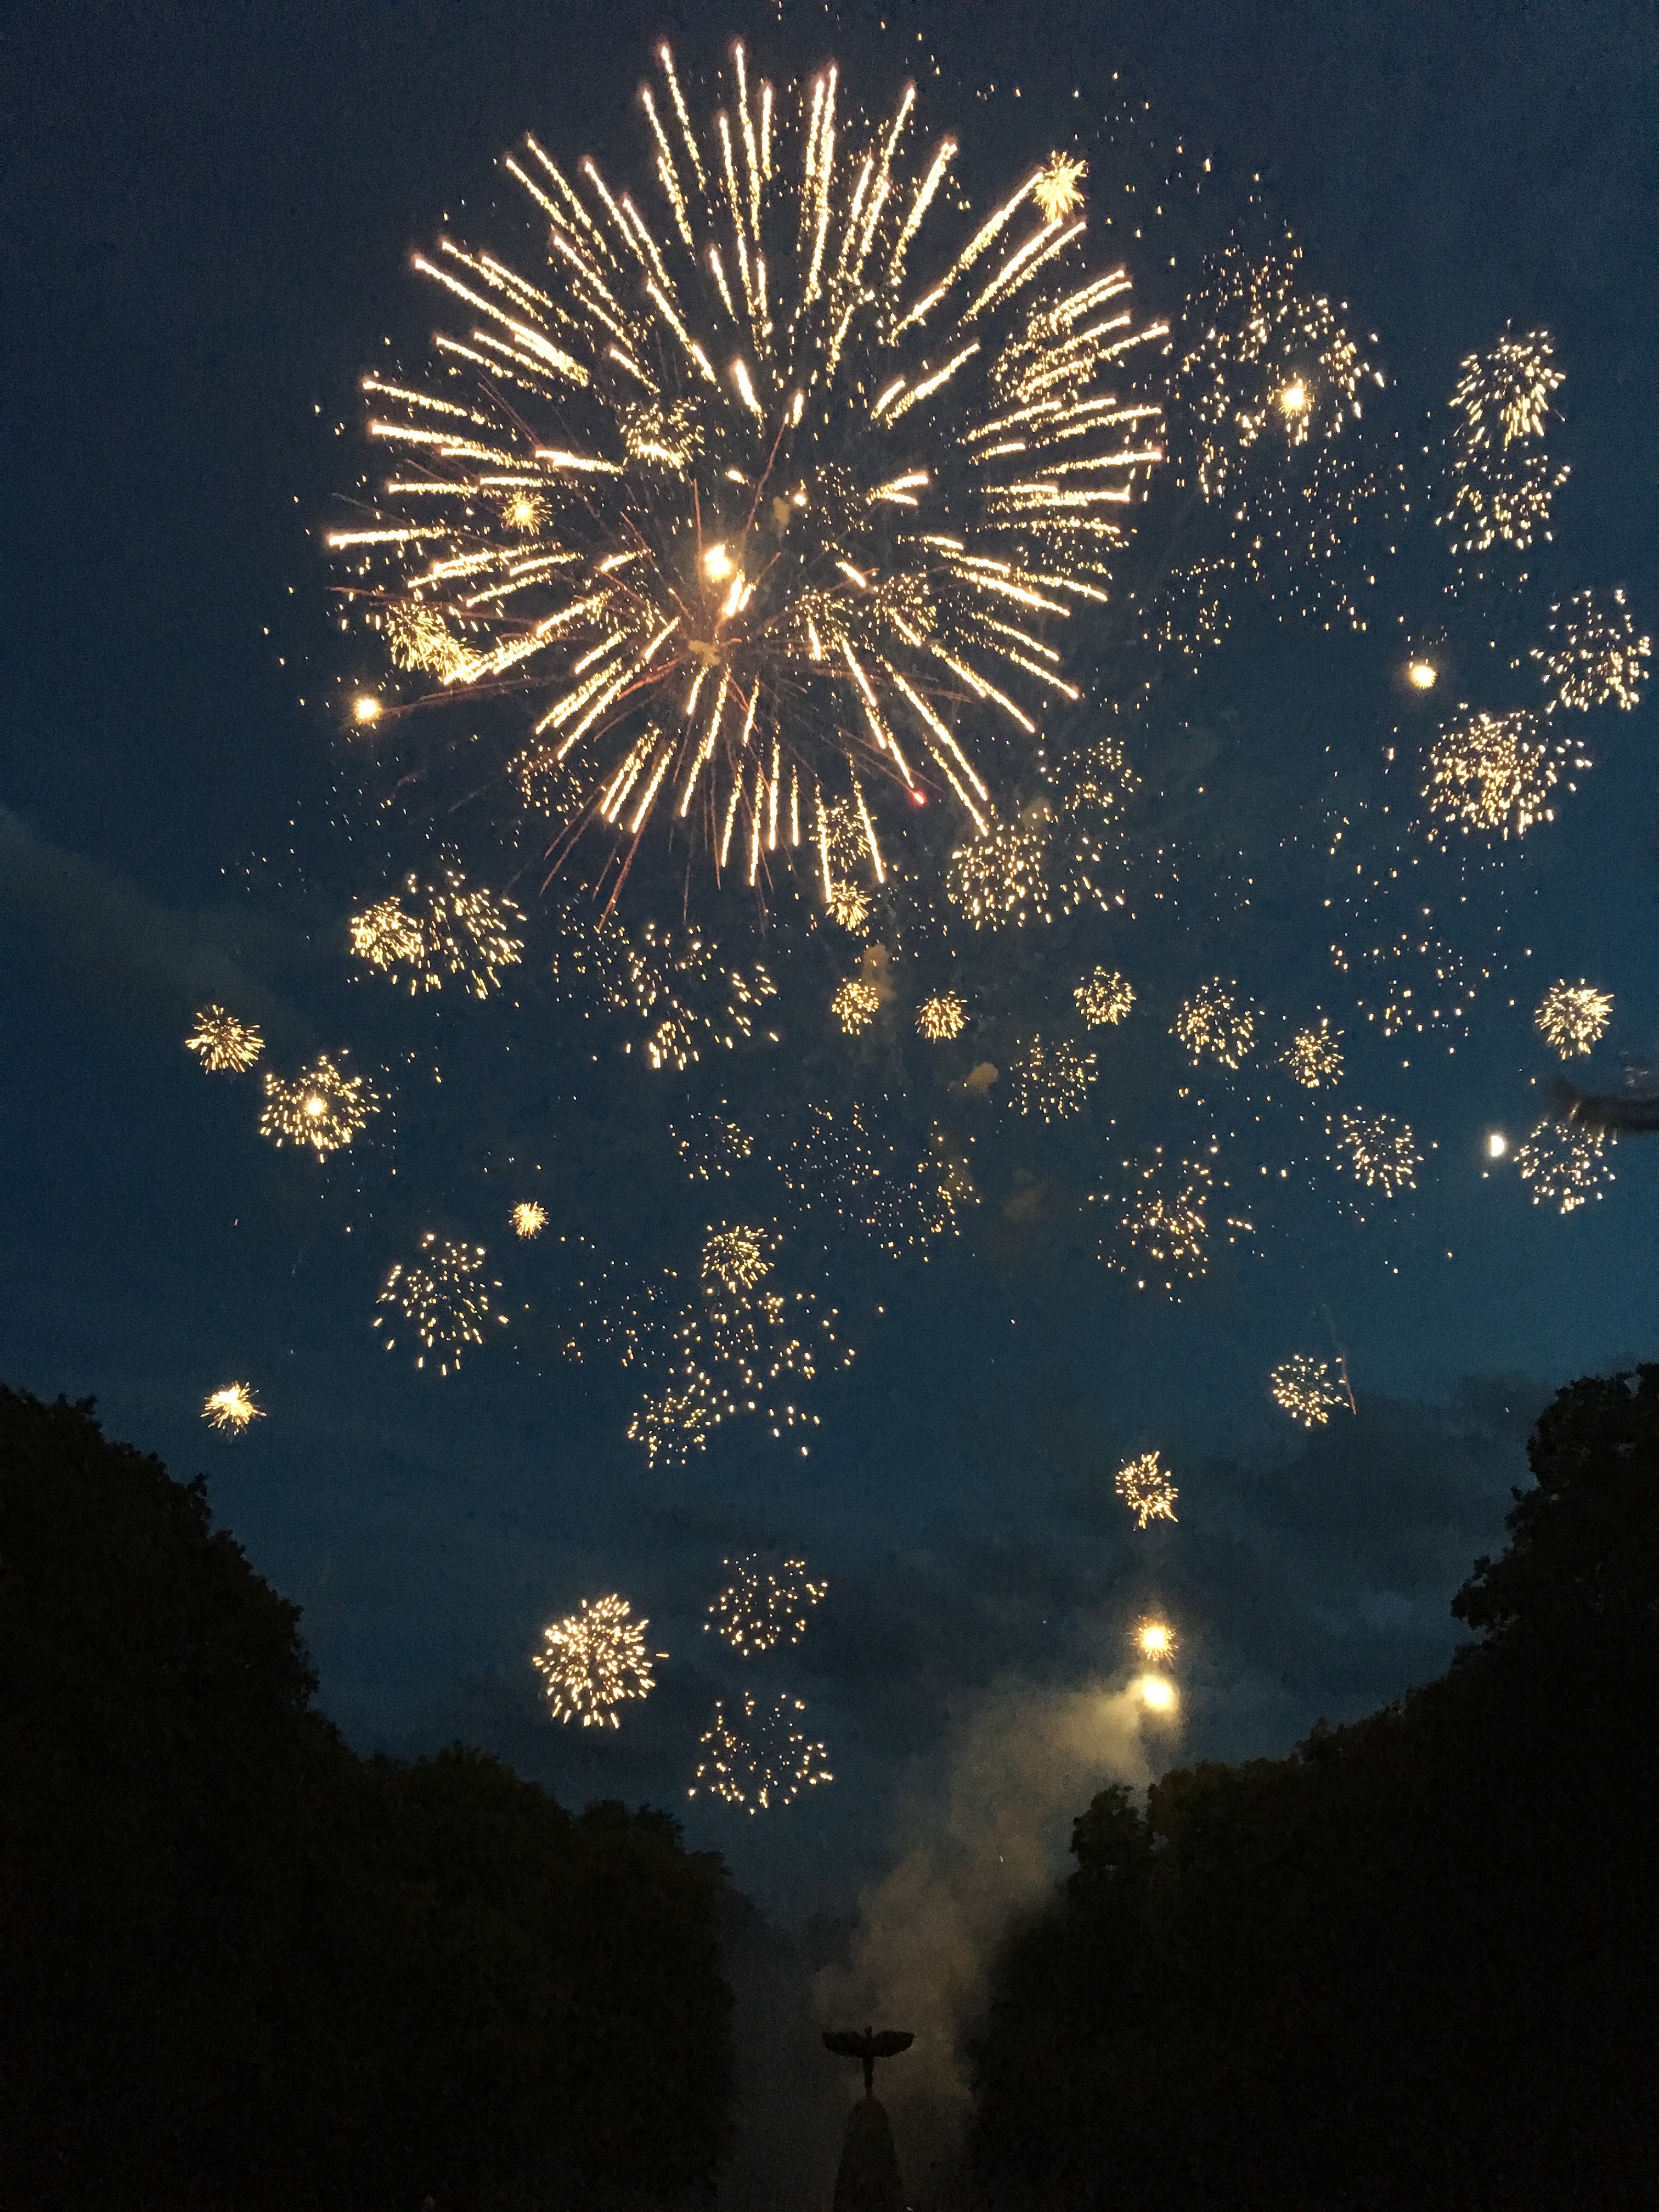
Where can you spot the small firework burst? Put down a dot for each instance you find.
(1059, 191)
(1165, 1216)
(447, 933)
(322, 1107)
(1566, 1164)
(849, 908)
(855, 1005)
(1051, 1080)
(1503, 482)
(1146, 1490)
(1377, 1151)
(232, 1408)
(1313, 1057)
(595, 1660)
(1573, 1017)
(529, 1218)
(226, 1046)
(1102, 998)
(1212, 1025)
(1593, 657)
(736, 1258)
(1306, 1389)
(1496, 772)
(713, 1148)
(1156, 1641)
(997, 878)
(444, 1297)
(942, 1016)
(759, 1607)
(761, 1757)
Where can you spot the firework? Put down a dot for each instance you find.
(759, 1607)
(849, 908)
(1572, 1017)
(855, 1005)
(232, 1408)
(1566, 1163)
(1165, 1216)
(1155, 1640)
(942, 1016)
(444, 1297)
(1313, 1057)
(837, 1169)
(1212, 1025)
(775, 510)
(227, 1046)
(1051, 1080)
(761, 1757)
(610, 1308)
(737, 1259)
(997, 878)
(1496, 772)
(1102, 998)
(1146, 1490)
(1306, 1389)
(322, 1107)
(1593, 657)
(1090, 786)
(447, 932)
(1503, 482)
(1377, 1151)
(595, 1661)
(529, 1218)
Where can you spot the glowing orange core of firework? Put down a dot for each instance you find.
(366, 709)
(1294, 397)
(1156, 1694)
(1156, 1640)
(1421, 675)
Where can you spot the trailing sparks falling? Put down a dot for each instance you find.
(595, 1660)
(445, 1299)
(759, 1607)
(232, 1408)
(1146, 1490)
(444, 934)
(761, 1757)
(1573, 1017)
(225, 1046)
(322, 1107)
(752, 490)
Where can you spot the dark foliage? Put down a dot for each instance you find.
(1415, 1963)
(242, 1967)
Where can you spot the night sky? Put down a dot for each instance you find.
(205, 221)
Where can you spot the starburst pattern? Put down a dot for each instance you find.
(855, 1005)
(595, 1660)
(1503, 481)
(1573, 1017)
(849, 908)
(444, 1297)
(1594, 656)
(1313, 1057)
(225, 1046)
(760, 1757)
(775, 509)
(529, 1218)
(1496, 773)
(942, 1016)
(759, 1607)
(1212, 1025)
(232, 1408)
(1103, 998)
(998, 879)
(1051, 1080)
(323, 1107)
(1164, 1216)
(446, 934)
(1306, 1389)
(1565, 1164)
(1377, 1151)
(1146, 1489)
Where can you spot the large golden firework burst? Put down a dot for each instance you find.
(758, 496)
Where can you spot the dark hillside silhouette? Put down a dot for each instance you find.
(1416, 1964)
(242, 1967)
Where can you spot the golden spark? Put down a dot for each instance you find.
(942, 1016)
(447, 933)
(232, 1408)
(1566, 1164)
(1594, 657)
(856, 1003)
(323, 1107)
(1212, 1025)
(761, 1757)
(529, 1217)
(760, 1609)
(1103, 998)
(444, 1297)
(1306, 1389)
(1573, 1017)
(1059, 191)
(227, 1046)
(1377, 1151)
(595, 1661)
(1496, 773)
(1146, 1490)
(1313, 1057)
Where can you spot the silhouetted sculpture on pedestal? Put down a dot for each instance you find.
(867, 2178)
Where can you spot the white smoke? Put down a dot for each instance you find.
(984, 1843)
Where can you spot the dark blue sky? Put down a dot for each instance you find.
(204, 217)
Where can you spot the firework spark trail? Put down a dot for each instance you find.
(1503, 482)
(761, 1757)
(595, 1660)
(1594, 656)
(1573, 1017)
(1566, 1163)
(1103, 998)
(447, 932)
(1377, 1151)
(232, 1408)
(1314, 1056)
(323, 1107)
(749, 513)
(224, 1045)
(1489, 772)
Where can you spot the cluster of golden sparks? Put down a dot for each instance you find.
(1307, 1391)
(1503, 481)
(1165, 1216)
(1378, 1150)
(595, 1660)
(232, 1408)
(1146, 1489)
(1496, 773)
(443, 1296)
(1593, 655)
(323, 1107)
(1314, 1056)
(428, 935)
(1565, 1164)
(760, 1757)
(1212, 1025)
(942, 1018)
(1103, 998)
(751, 488)
(529, 1218)
(1051, 1080)
(1572, 1017)
(760, 1609)
(224, 1045)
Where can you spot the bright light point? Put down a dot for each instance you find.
(364, 709)
(717, 563)
(1421, 675)
(315, 1106)
(1293, 398)
(1156, 1694)
(1497, 1145)
(1156, 1640)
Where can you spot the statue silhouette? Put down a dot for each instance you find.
(867, 2178)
